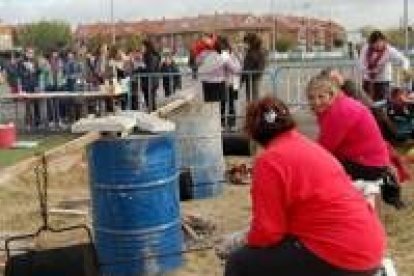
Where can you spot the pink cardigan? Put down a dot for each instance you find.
(349, 131)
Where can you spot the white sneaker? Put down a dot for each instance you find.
(388, 268)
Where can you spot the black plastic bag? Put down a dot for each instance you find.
(186, 184)
(391, 191)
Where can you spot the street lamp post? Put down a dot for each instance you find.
(406, 26)
(308, 28)
(331, 35)
(112, 23)
(272, 9)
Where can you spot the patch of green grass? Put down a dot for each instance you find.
(11, 156)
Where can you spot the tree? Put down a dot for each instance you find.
(126, 43)
(396, 37)
(45, 36)
(130, 43)
(284, 43)
(94, 43)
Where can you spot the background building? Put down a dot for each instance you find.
(288, 32)
(6, 37)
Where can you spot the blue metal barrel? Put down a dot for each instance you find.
(135, 204)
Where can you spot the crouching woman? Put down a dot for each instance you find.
(307, 218)
(348, 130)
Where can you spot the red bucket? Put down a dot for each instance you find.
(7, 136)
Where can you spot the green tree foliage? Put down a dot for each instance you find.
(45, 36)
(94, 43)
(284, 43)
(126, 43)
(130, 43)
(396, 37)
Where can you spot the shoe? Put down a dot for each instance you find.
(388, 268)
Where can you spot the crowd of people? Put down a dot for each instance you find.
(80, 69)
(216, 63)
(83, 70)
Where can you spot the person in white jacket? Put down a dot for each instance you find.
(233, 82)
(214, 66)
(376, 60)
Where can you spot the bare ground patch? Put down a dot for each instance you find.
(229, 212)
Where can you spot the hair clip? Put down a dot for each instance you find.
(270, 116)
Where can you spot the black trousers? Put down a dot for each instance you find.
(213, 91)
(228, 119)
(289, 258)
(33, 117)
(33, 113)
(252, 87)
(378, 91)
(150, 98)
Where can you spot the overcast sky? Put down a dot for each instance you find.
(351, 13)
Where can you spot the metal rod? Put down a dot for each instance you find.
(406, 26)
(331, 36)
(112, 23)
(273, 9)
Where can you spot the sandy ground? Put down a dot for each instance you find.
(18, 199)
(229, 212)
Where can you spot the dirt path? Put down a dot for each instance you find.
(229, 212)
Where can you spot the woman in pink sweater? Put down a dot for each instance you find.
(349, 131)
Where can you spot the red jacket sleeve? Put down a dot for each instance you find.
(269, 199)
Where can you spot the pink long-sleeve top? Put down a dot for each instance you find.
(349, 131)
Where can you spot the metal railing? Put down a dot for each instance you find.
(143, 91)
(146, 91)
(252, 85)
(292, 78)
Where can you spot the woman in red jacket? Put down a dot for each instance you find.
(307, 218)
(349, 131)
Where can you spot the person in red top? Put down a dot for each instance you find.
(399, 172)
(349, 131)
(307, 218)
